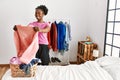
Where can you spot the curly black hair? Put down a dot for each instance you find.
(43, 8)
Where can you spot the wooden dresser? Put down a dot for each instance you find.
(85, 51)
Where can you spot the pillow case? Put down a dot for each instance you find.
(107, 60)
(113, 70)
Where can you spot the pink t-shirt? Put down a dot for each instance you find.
(42, 37)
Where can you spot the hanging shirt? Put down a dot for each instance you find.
(61, 29)
(68, 36)
(68, 32)
(42, 37)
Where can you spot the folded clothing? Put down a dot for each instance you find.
(26, 67)
(15, 60)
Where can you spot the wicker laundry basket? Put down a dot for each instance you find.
(17, 72)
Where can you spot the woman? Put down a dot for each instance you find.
(43, 28)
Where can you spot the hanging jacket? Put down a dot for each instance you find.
(26, 41)
(61, 29)
(53, 34)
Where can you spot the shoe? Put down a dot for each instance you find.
(56, 59)
(53, 59)
(39, 64)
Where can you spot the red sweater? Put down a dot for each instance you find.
(53, 34)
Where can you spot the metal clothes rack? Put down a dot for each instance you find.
(58, 20)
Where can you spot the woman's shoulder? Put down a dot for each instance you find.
(47, 23)
(35, 22)
(32, 24)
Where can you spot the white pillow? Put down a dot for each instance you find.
(114, 71)
(107, 60)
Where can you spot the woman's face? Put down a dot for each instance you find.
(39, 14)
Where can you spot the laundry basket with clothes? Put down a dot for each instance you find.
(26, 42)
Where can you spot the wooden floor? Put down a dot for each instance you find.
(3, 69)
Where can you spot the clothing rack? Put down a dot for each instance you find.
(58, 20)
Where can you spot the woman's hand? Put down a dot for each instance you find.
(14, 28)
(36, 29)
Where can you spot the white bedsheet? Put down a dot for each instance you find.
(88, 71)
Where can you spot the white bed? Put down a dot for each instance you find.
(111, 65)
(91, 70)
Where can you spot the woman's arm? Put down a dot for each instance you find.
(45, 30)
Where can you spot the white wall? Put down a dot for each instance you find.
(87, 17)
(97, 21)
(22, 12)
